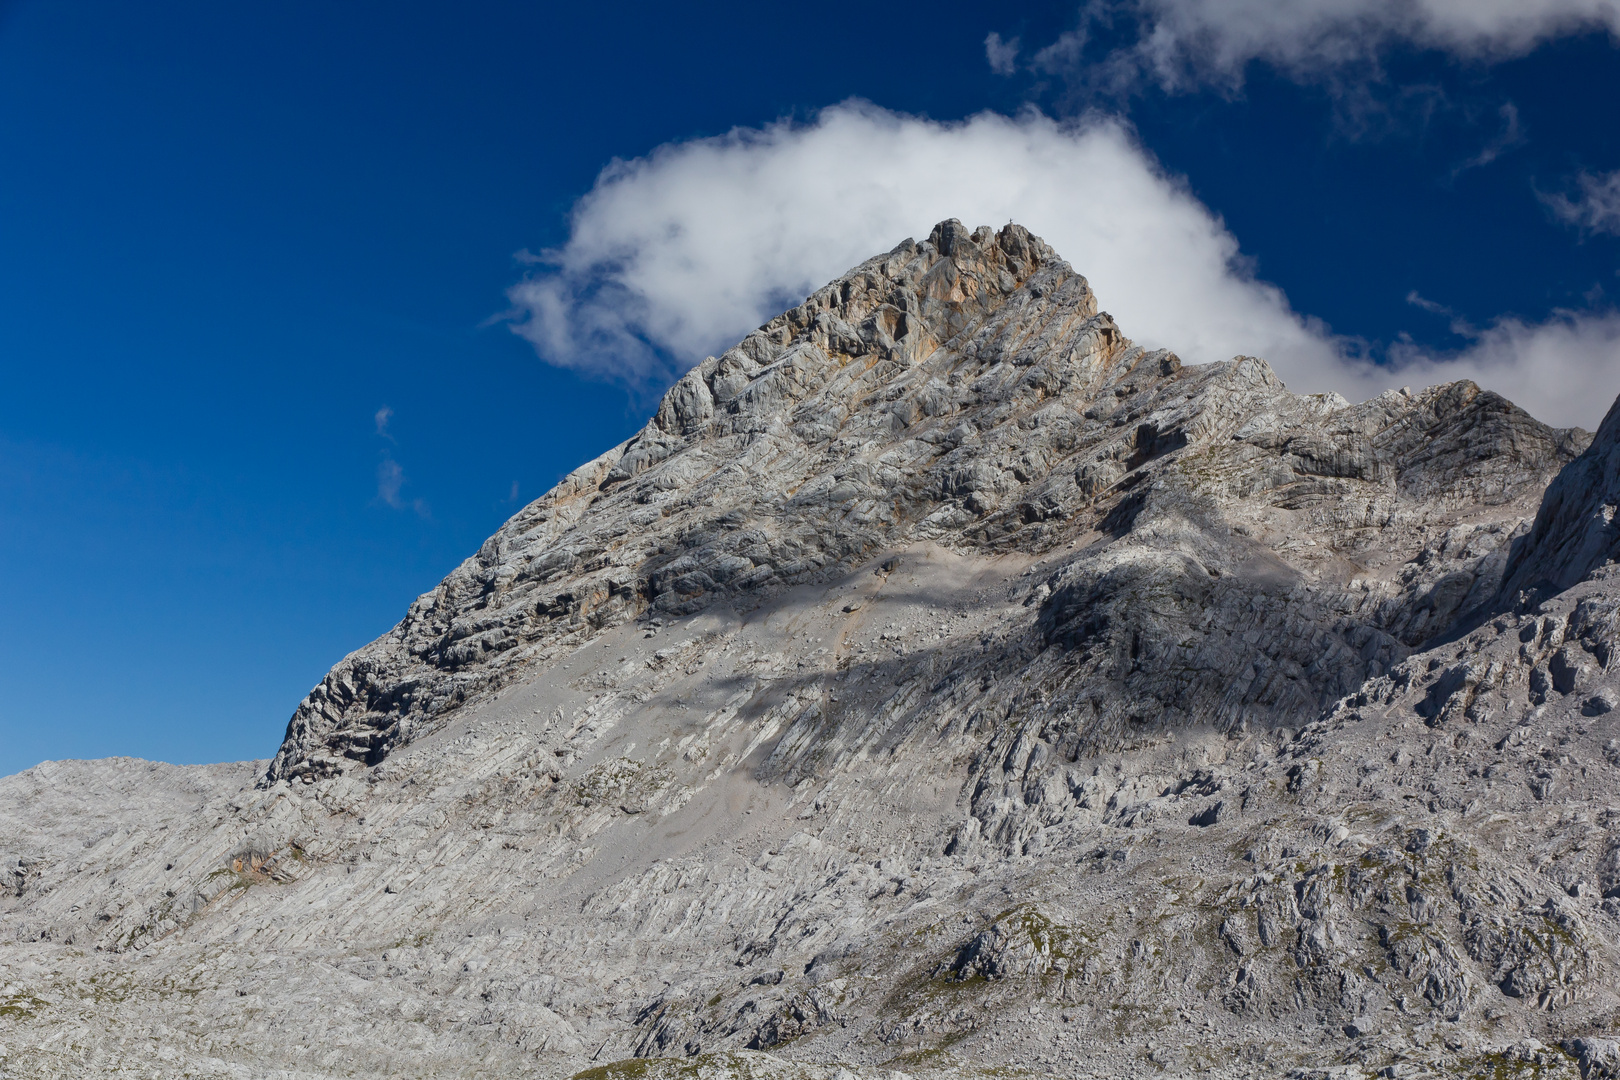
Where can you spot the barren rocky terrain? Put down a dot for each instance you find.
(939, 684)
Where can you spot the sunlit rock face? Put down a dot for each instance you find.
(938, 682)
(1217, 548)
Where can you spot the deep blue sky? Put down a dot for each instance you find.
(230, 234)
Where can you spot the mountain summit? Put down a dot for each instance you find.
(938, 682)
(967, 392)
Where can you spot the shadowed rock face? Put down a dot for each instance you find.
(940, 683)
(1222, 548)
(1574, 531)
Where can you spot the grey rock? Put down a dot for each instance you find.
(1599, 1057)
(938, 682)
(1574, 531)
(1294, 546)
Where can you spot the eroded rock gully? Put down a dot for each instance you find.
(939, 682)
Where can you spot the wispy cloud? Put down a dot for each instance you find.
(1595, 207)
(1421, 302)
(1458, 325)
(390, 478)
(1181, 44)
(681, 253)
(391, 474)
(391, 482)
(1510, 136)
(1002, 55)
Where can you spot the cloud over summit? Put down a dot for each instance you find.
(678, 254)
(682, 252)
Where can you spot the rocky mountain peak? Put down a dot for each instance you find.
(939, 682)
(965, 391)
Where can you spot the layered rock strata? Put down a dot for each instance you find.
(967, 391)
(940, 683)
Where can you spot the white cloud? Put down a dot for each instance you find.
(682, 252)
(1002, 56)
(1596, 209)
(1565, 370)
(1183, 42)
(679, 254)
(381, 419)
(390, 482)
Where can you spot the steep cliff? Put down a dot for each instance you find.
(1574, 531)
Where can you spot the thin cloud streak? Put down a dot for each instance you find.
(390, 483)
(1457, 324)
(681, 253)
(1511, 136)
(390, 478)
(1184, 44)
(391, 474)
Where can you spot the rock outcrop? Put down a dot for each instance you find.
(939, 682)
(1574, 531)
(967, 391)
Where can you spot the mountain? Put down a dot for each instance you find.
(939, 683)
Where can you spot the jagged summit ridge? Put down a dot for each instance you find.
(966, 391)
(943, 693)
(738, 424)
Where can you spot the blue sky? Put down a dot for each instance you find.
(260, 266)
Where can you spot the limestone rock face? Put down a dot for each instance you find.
(1574, 531)
(940, 682)
(967, 391)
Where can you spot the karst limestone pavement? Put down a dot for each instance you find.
(939, 684)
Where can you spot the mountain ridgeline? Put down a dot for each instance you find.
(1221, 547)
(940, 684)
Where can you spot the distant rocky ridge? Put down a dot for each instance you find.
(939, 682)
